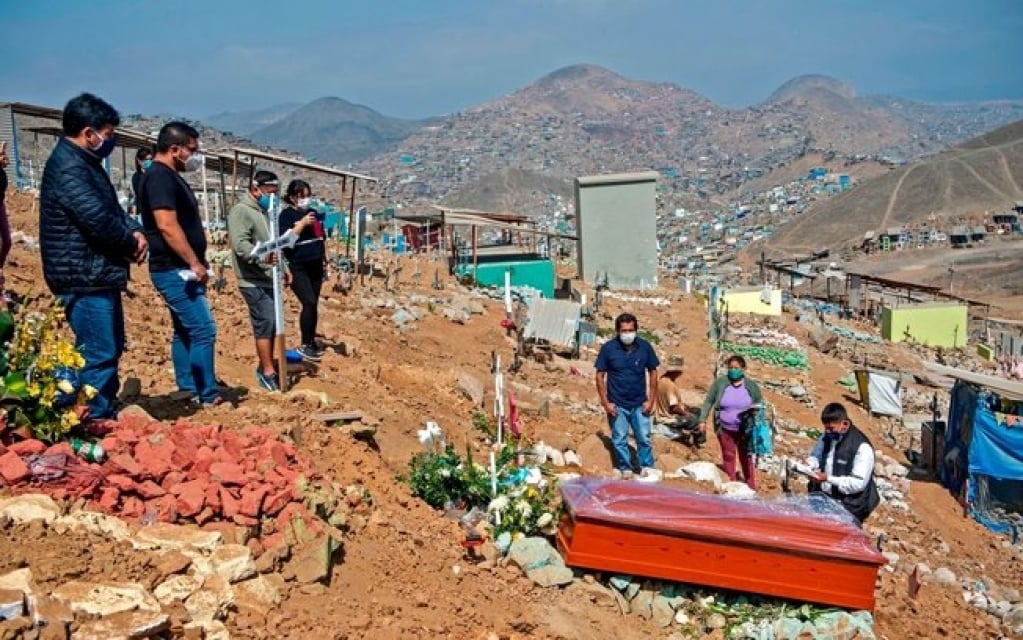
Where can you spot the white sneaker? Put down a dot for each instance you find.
(651, 475)
(618, 474)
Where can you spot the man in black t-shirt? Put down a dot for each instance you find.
(177, 259)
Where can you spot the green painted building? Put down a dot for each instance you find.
(935, 324)
(538, 274)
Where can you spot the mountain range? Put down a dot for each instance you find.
(585, 119)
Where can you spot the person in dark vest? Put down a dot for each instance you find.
(843, 459)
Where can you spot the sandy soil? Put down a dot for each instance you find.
(397, 578)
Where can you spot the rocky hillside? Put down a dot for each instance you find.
(984, 174)
(586, 119)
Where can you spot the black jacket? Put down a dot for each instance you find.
(861, 504)
(85, 236)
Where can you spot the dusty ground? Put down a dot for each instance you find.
(396, 576)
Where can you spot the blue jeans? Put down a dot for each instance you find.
(97, 320)
(193, 349)
(641, 425)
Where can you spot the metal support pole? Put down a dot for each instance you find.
(278, 283)
(234, 180)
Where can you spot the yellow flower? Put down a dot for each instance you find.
(89, 391)
(65, 387)
(69, 419)
(34, 389)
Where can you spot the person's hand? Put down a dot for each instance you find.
(702, 427)
(287, 278)
(820, 476)
(304, 222)
(271, 258)
(202, 275)
(610, 410)
(141, 247)
(648, 407)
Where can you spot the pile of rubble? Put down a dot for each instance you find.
(205, 474)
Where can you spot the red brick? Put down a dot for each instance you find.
(227, 473)
(228, 531)
(191, 498)
(289, 474)
(252, 501)
(122, 482)
(3, 449)
(150, 489)
(166, 508)
(204, 516)
(172, 479)
(126, 464)
(275, 480)
(231, 445)
(231, 505)
(245, 521)
(276, 452)
(277, 501)
(213, 498)
(27, 447)
(133, 507)
(108, 500)
(13, 469)
(155, 457)
(63, 449)
(113, 444)
(127, 436)
(204, 458)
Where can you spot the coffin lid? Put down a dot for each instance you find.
(815, 525)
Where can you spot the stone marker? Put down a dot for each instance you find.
(128, 625)
(105, 599)
(29, 508)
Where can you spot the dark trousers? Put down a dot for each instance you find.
(306, 282)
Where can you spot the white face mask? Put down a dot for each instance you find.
(304, 202)
(194, 162)
(627, 338)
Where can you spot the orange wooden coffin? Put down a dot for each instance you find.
(801, 548)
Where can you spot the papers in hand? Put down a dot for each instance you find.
(803, 469)
(263, 249)
(188, 275)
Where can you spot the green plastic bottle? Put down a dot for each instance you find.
(89, 451)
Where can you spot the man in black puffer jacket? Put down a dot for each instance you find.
(88, 242)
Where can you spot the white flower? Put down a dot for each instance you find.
(499, 503)
(445, 473)
(65, 387)
(544, 520)
(523, 508)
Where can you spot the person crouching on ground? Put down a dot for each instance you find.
(729, 396)
(626, 381)
(307, 261)
(847, 473)
(247, 225)
(669, 410)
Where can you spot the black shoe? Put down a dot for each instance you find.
(310, 352)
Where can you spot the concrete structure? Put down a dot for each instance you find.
(616, 216)
(935, 324)
(756, 300)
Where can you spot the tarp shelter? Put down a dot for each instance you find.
(880, 394)
(982, 462)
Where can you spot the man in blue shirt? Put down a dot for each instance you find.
(626, 377)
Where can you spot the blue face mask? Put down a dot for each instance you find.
(735, 375)
(831, 436)
(264, 202)
(105, 147)
(146, 164)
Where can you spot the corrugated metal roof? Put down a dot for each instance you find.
(555, 321)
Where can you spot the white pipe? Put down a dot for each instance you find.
(278, 274)
(507, 292)
(493, 475)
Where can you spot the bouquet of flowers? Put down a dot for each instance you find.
(40, 389)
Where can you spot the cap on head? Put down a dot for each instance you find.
(674, 364)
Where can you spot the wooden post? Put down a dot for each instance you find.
(475, 259)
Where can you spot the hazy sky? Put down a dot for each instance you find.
(427, 57)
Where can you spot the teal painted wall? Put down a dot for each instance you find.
(538, 274)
